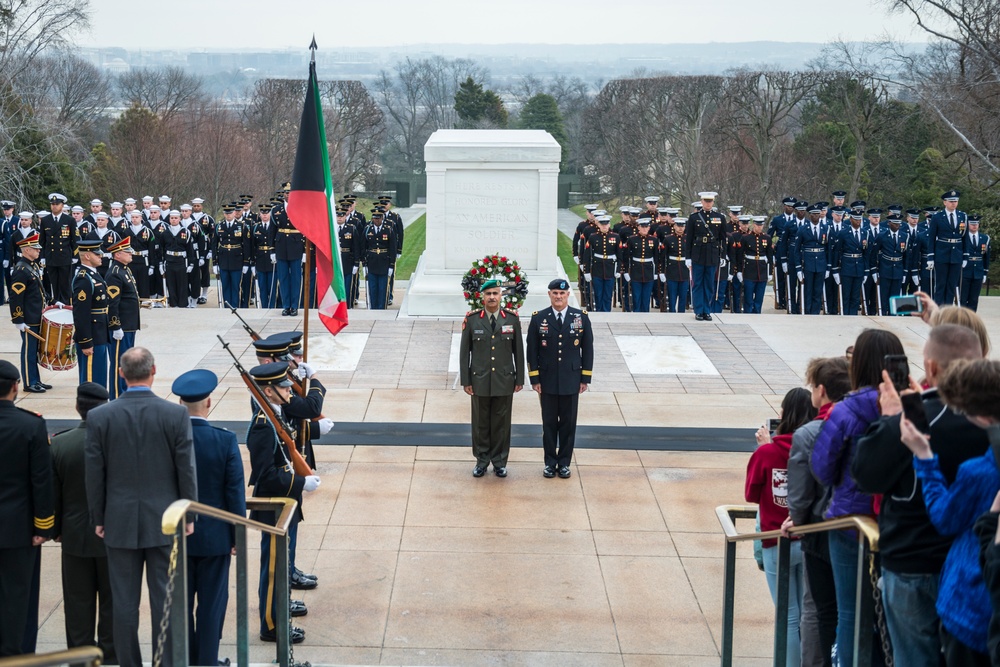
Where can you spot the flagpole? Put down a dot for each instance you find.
(306, 299)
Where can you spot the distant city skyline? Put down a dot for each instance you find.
(256, 24)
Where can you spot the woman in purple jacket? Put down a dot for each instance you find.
(831, 464)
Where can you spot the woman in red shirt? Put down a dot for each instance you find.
(767, 485)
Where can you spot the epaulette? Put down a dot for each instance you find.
(584, 311)
(31, 412)
(534, 312)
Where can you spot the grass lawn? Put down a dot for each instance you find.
(414, 241)
(565, 249)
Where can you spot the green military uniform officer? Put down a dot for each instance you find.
(491, 362)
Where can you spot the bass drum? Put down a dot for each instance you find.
(57, 353)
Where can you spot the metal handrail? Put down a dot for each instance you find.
(868, 542)
(174, 523)
(90, 656)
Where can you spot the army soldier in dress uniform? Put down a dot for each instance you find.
(290, 247)
(704, 241)
(90, 315)
(810, 253)
(491, 361)
(27, 299)
(26, 510)
(145, 251)
(58, 235)
(86, 581)
(560, 366)
(123, 311)
(975, 265)
(754, 258)
(351, 249)
(946, 232)
(674, 272)
(380, 260)
(600, 260)
(851, 265)
(232, 256)
(640, 256)
(264, 257)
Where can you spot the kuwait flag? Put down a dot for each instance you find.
(310, 207)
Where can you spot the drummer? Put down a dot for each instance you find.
(90, 314)
(27, 299)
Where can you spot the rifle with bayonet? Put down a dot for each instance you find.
(298, 462)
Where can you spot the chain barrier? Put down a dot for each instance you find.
(883, 630)
(161, 638)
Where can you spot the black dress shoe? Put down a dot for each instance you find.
(549, 472)
(303, 575)
(201, 301)
(500, 472)
(300, 583)
(35, 389)
(294, 312)
(564, 472)
(699, 317)
(45, 386)
(298, 635)
(479, 471)
(297, 608)
(284, 313)
(708, 317)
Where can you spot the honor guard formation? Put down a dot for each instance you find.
(821, 257)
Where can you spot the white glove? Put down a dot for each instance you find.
(628, 278)
(21, 326)
(274, 258)
(739, 276)
(687, 263)
(201, 262)
(801, 276)
(151, 270)
(930, 265)
(617, 275)
(576, 260)
(163, 267)
(827, 275)
(312, 483)
(964, 263)
(390, 270)
(875, 278)
(189, 269)
(354, 271)
(75, 261)
(663, 278)
(836, 278)
(303, 258)
(784, 267)
(245, 269)
(864, 280)
(587, 277)
(42, 261)
(305, 370)
(6, 263)
(722, 262)
(253, 270)
(325, 426)
(729, 277)
(984, 279)
(60, 305)
(215, 269)
(117, 334)
(916, 280)
(208, 255)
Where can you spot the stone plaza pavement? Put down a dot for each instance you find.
(421, 564)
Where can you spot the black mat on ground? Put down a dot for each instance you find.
(663, 438)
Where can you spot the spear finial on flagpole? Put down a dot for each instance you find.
(312, 48)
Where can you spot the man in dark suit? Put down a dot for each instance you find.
(25, 509)
(209, 549)
(139, 459)
(560, 366)
(491, 377)
(85, 580)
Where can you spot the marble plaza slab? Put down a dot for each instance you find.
(665, 355)
(337, 353)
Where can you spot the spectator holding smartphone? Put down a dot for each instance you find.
(912, 551)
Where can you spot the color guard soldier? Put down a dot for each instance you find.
(27, 299)
(600, 262)
(776, 231)
(290, 248)
(351, 249)
(851, 265)
(674, 272)
(893, 266)
(262, 239)
(233, 257)
(946, 231)
(144, 251)
(810, 252)
(177, 260)
(919, 249)
(640, 257)
(704, 242)
(975, 265)
(380, 260)
(58, 234)
(754, 258)
(624, 228)
(207, 224)
(356, 216)
(90, 315)
(123, 310)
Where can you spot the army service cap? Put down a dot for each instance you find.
(30, 241)
(274, 374)
(89, 245)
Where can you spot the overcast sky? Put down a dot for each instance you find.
(145, 24)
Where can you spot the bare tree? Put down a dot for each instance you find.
(29, 27)
(355, 131)
(275, 127)
(165, 91)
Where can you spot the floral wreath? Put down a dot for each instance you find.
(499, 267)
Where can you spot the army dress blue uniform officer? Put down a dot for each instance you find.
(220, 485)
(123, 311)
(755, 256)
(810, 253)
(232, 257)
(90, 315)
(560, 353)
(59, 235)
(851, 263)
(380, 260)
(265, 259)
(27, 299)
(893, 262)
(600, 260)
(704, 243)
(290, 249)
(351, 252)
(946, 233)
(975, 265)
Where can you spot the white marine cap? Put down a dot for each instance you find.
(708, 194)
(590, 207)
(735, 209)
(634, 210)
(680, 221)
(652, 199)
(696, 204)
(672, 210)
(603, 218)
(600, 211)
(745, 218)
(624, 209)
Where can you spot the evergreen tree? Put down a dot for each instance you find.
(479, 107)
(541, 112)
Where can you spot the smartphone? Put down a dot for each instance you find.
(913, 408)
(905, 305)
(772, 424)
(899, 370)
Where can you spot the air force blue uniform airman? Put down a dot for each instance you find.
(975, 264)
(810, 252)
(851, 264)
(946, 232)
